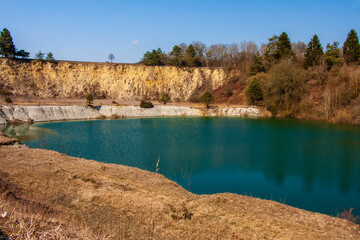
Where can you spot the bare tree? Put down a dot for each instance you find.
(233, 55)
(200, 49)
(327, 102)
(299, 49)
(263, 49)
(111, 57)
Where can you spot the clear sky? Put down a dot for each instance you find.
(88, 30)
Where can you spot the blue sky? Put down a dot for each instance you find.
(88, 30)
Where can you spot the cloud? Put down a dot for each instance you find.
(135, 42)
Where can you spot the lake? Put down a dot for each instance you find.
(309, 165)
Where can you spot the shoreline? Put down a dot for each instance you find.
(48, 113)
(127, 201)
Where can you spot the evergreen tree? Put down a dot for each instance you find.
(332, 55)
(165, 98)
(7, 47)
(89, 99)
(39, 55)
(314, 52)
(207, 98)
(271, 49)
(257, 65)
(190, 57)
(176, 56)
(153, 58)
(284, 48)
(254, 92)
(22, 53)
(50, 56)
(279, 47)
(351, 47)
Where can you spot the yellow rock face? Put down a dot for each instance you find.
(121, 81)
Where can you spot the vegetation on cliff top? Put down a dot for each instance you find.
(7, 46)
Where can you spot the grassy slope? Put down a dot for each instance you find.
(51, 195)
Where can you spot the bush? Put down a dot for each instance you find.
(284, 88)
(165, 98)
(89, 99)
(207, 98)
(342, 116)
(228, 92)
(146, 104)
(8, 100)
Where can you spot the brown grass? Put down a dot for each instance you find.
(52, 196)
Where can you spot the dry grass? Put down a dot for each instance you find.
(54, 196)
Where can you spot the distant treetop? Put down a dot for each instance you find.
(7, 46)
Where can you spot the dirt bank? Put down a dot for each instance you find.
(48, 194)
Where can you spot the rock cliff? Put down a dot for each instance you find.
(120, 81)
(58, 113)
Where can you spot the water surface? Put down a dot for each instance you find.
(314, 166)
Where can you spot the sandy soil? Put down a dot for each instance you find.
(50, 195)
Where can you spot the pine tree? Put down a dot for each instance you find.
(271, 49)
(176, 56)
(254, 92)
(207, 98)
(284, 48)
(314, 52)
(257, 65)
(39, 55)
(50, 56)
(352, 47)
(332, 55)
(7, 47)
(190, 54)
(22, 53)
(279, 47)
(153, 58)
(89, 99)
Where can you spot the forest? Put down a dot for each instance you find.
(296, 79)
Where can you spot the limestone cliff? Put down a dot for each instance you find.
(120, 81)
(59, 113)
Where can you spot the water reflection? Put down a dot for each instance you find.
(309, 165)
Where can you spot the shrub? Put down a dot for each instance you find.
(89, 99)
(8, 100)
(284, 88)
(228, 92)
(194, 98)
(348, 215)
(165, 98)
(146, 104)
(342, 116)
(207, 98)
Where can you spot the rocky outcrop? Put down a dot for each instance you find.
(59, 113)
(120, 81)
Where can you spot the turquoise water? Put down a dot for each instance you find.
(313, 166)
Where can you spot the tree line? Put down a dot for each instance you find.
(306, 81)
(249, 56)
(7, 46)
(8, 49)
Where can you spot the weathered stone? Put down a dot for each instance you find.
(58, 113)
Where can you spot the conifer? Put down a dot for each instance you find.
(352, 47)
(314, 53)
